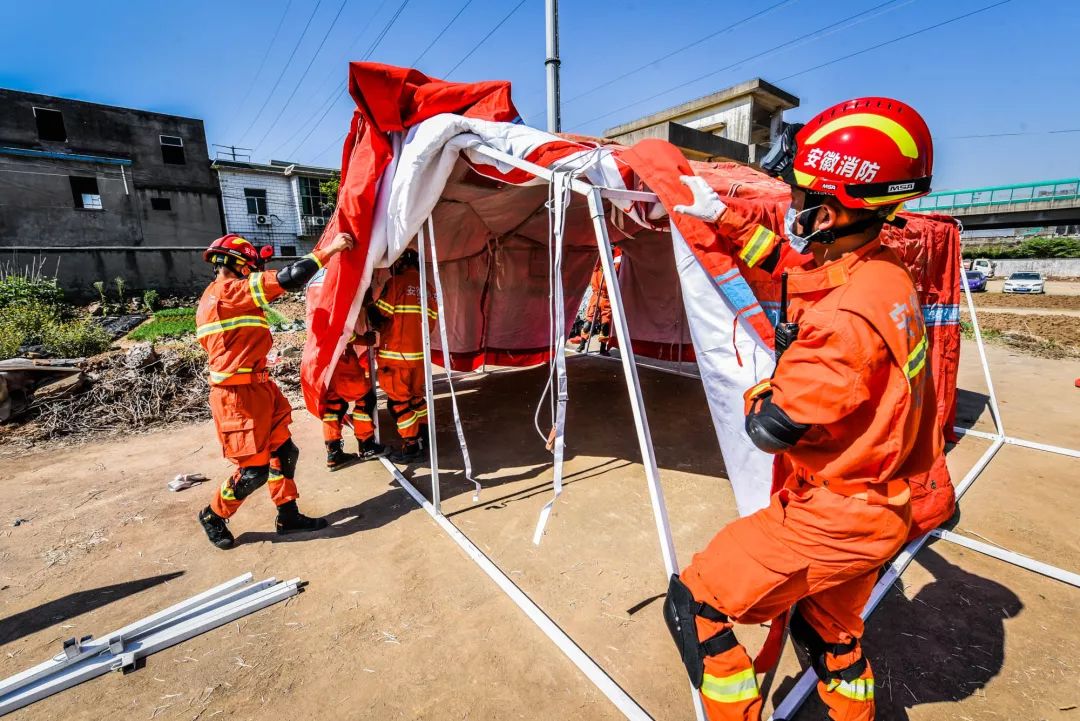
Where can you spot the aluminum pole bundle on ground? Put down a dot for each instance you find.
(82, 660)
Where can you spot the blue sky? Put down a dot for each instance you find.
(1013, 68)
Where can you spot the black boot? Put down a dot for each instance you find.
(216, 529)
(291, 520)
(337, 458)
(604, 350)
(371, 449)
(410, 452)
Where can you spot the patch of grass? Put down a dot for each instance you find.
(967, 331)
(180, 322)
(174, 312)
(276, 319)
(159, 328)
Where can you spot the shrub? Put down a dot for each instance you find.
(29, 319)
(1030, 248)
(28, 286)
(150, 298)
(75, 338)
(10, 340)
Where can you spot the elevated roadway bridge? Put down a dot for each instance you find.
(1028, 205)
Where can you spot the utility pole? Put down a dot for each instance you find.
(554, 119)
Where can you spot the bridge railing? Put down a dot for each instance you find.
(1047, 194)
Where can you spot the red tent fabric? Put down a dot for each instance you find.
(388, 99)
(493, 237)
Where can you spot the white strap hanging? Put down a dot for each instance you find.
(560, 199)
(443, 340)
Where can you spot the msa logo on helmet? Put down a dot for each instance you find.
(828, 186)
(900, 188)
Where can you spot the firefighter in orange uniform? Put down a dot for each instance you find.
(351, 383)
(850, 407)
(397, 315)
(250, 413)
(598, 311)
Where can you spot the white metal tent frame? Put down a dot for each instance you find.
(595, 197)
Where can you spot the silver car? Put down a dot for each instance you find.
(1025, 282)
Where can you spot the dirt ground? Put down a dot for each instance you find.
(1054, 335)
(1045, 301)
(398, 623)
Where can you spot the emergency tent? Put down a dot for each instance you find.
(516, 219)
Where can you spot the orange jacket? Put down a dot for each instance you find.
(859, 375)
(599, 307)
(401, 339)
(232, 328)
(858, 371)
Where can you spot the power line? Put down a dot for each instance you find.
(441, 33)
(1014, 134)
(329, 147)
(303, 117)
(262, 63)
(344, 86)
(813, 35)
(283, 69)
(898, 39)
(303, 75)
(677, 51)
(484, 39)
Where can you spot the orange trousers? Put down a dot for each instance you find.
(334, 412)
(403, 383)
(810, 548)
(252, 420)
(350, 383)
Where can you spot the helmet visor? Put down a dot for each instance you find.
(780, 159)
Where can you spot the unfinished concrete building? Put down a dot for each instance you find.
(737, 123)
(102, 191)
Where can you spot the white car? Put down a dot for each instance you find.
(1025, 282)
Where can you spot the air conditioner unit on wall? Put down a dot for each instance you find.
(262, 220)
(319, 220)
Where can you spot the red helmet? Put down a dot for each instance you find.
(237, 252)
(867, 153)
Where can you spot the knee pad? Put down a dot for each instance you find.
(369, 401)
(680, 612)
(816, 648)
(249, 480)
(338, 407)
(287, 454)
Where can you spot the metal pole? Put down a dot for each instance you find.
(433, 450)
(637, 403)
(551, 64)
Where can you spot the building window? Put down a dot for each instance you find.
(84, 191)
(50, 125)
(288, 250)
(312, 200)
(161, 203)
(172, 149)
(256, 201)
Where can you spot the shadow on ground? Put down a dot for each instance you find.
(970, 407)
(945, 644)
(385, 508)
(67, 607)
(497, 412)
